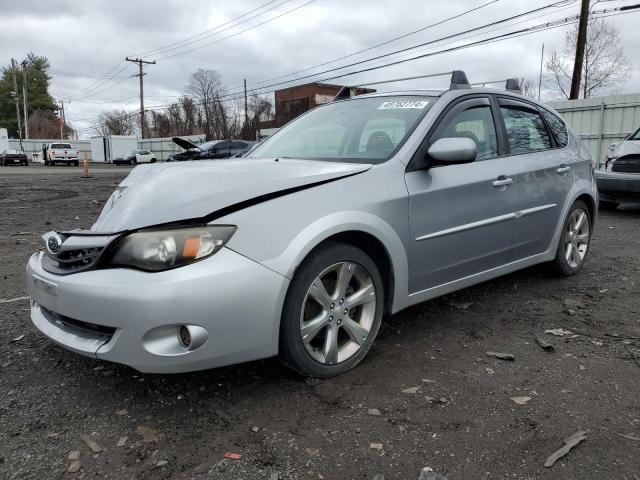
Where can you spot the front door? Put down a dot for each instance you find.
(461, 216)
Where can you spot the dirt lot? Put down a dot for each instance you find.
(461, 420)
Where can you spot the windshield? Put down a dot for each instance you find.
(365, 130)
(635, 136)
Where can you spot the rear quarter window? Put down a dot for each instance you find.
(557, 127)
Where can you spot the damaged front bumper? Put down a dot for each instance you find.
(133, 317)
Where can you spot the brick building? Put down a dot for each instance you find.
(294, 101)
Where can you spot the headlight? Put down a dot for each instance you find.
(157, 250)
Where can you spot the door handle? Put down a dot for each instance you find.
(502, 181)
(563, 169)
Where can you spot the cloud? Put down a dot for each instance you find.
(92, 37)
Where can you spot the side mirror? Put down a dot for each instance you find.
(453, 150)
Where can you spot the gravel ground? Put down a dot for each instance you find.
(460, 417)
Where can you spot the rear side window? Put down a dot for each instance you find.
(526, 132)
(558, 128)
(238, 145)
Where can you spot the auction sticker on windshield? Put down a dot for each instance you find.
(417, 104)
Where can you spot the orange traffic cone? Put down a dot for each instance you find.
(85, 167)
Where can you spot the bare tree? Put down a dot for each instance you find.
(207, 88)
(117, 122)
(605, 64)
(260, 109)
(45, 124)
(528, 87)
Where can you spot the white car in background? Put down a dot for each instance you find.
(136, 156)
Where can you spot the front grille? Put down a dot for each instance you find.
(627, 164)
(71, 261)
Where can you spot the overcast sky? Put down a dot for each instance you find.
(92, 37)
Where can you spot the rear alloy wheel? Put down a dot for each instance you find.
(332, 312)
(575, 240)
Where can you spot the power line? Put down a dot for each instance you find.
(148, 52)
(505, 36)
(94, 84)
(78, 75)
(400, 37)
(162, 51)
(237, 33)
(406, 49)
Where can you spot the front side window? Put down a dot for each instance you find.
(475, 123)
(361, 130)
(526, 131)
(558, 128)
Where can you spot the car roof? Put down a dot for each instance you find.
(452, 94)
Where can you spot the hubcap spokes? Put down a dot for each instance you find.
(337, 313)
(577, 238)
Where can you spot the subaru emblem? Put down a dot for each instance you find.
(54, 242)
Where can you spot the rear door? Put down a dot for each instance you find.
(543, 168)
(461, 216)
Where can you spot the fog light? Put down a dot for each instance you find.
(185, 336)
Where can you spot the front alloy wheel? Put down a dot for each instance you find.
(334, 326)
(332, 312)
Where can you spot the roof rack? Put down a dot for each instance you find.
(458, 81)
(511, 84)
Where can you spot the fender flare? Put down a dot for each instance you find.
(346, 221)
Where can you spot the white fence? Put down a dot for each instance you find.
(34, 145)
(162, 147)
(601, 121)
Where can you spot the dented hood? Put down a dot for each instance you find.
(171, 192)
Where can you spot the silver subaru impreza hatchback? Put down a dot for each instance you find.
(353, 211)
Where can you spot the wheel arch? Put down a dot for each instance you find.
(378, 253)
(591, 205)
(363, 230)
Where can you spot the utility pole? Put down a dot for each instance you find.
(540, 77)
(15, 92)
(580, 46)
(24, 99)
(140, 62)
(64, 120)
(246, 113)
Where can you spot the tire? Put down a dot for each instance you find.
(153, 160)
(605, 205)
(76, 163)
(565, 264)
(353, 338)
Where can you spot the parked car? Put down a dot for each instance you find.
(53, 153)
(13, 157)
(620, 180)
(354, 210)
(209, 150)
(136, 156)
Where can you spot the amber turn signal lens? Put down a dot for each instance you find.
(191, 247)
